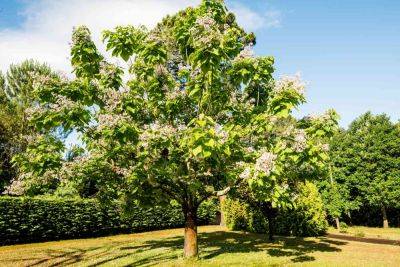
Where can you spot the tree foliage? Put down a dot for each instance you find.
(18, 100)
(367, 161)
(200, 114)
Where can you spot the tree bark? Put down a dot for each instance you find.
(271, 229)
(221, 203)
(190, 244)
(337, 223)
(385, 220)
(269, 212)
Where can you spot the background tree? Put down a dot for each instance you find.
(17, 101)
(367, 161)
(198, 116)
(335, 194)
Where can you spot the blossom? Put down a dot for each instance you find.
(160, 70)
(16, 188)
(205, 32)
(184, 67)
(240, 164)
(290, 83)
(112, 98)
(110, 120)
(122, 171)
(249, 149)
(80, 35)
(325, 147)
(206, 22)
(174, 94)
(265, 163)
(62, 103)
(247, 52)
(221, 133)
(300, 141)
(245, 174)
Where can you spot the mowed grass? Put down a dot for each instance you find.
(373, 232)
(218, 247)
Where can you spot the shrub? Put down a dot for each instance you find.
(40, 219)
(343, 227)
(307, 218)
(239, 216)
(359, 233)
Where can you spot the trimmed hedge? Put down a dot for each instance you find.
(41, 219)
(307, 218)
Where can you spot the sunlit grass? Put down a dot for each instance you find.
(372, 232)
(218, 247)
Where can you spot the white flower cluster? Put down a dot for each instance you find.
(125, 172)
(206, 22)
(221, 133)
(112, 98)
(246, 173)
(182, 66)
(315, 117)
(325, 147)
(31, 112)
(108, 121)
(205, 32)
(247, 52)
(290, 82)
(16, 188)
(249, 149)
(300, 141)
(108, 72)
(175, 94)
(80, 34)
(160, 70)
(62, 103)
(40, 80)
(265, 163)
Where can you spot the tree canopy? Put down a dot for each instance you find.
(367, 161)
(198, 115)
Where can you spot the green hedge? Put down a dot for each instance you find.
(307, 218)
(40, 219)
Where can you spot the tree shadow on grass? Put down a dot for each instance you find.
(223, 243)
(212, 244)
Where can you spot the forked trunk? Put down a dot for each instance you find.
(385, 220)
(337, 223)
(190, 247)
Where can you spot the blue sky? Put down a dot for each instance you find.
(347, 50)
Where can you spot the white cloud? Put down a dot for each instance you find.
(252, 20)
(273, 19)
(46, 31)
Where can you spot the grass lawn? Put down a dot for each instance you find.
(373, 232)
(218, 247)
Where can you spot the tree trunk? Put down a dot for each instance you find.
(385, 220)
(271, 227)
(221, 203)
(190, 245)
(337, 223)
(269, 212)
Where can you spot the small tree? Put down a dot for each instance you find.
(194, 120)
(301, 155)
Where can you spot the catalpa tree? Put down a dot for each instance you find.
(200, 114)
